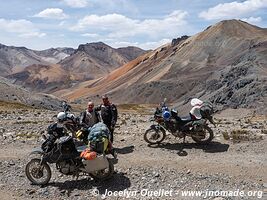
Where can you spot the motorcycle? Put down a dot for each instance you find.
(61, 149)
(72, 125)
(180, 127)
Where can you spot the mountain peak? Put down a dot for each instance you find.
(97, 46)
(235, 27)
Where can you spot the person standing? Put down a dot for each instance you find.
(109, 114)
(90, 116)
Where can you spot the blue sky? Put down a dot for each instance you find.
(39, 24)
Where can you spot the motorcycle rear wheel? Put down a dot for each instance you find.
(105, 173)
(38, 174)
(207, 138)
(154, 136)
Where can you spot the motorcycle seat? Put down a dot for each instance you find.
(186, 119)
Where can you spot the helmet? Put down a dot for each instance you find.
(61, 116)
(166, 115)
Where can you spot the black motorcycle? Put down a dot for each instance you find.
(65, 151)
(180, 127)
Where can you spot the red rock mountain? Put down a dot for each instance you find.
(226, 64)
(94, 60)
(88, 62)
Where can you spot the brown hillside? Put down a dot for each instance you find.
(223, 64)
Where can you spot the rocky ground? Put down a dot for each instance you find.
(235, 161)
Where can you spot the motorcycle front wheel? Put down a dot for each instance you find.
(203, 137)
(105, 173)
(154, 136)
(38, 174)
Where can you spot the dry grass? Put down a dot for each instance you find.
(257, 118)
(27, 135)
(240, 135)
(11, 105)
(226, 136)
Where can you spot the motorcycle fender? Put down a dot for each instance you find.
(158, 127)
(37, 150)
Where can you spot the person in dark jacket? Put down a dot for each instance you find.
(109, 114)
(90, 116)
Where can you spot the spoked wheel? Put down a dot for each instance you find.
(154, 136)
(203, 137)
(105, 173)
(38, 174)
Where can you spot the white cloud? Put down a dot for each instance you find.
(106, 22)
(90, 35)
(33, 34)
(233, 9)
(116, 25)
(62, 23)
(76, 3)
(104, 5)
(23, 27)
(52, 13)
(252, 20)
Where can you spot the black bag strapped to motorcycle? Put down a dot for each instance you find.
(206, 110)
(66, 145)
(63, 149)
(198, 125)
(97, 146)
(55, 130)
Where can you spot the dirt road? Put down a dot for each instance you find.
(170, 167)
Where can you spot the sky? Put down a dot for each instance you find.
(148, 24)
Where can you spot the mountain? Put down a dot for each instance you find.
(130, 52)
(15, 59)
(89, 61)
(225, 64)
(40, 77)
(93, 60)
(55, 55)
(16, 94)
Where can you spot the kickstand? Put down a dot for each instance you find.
(181, 151)
(182, 146)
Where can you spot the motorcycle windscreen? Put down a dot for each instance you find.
(99, 163)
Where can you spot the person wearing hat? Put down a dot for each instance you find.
(109, 114)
